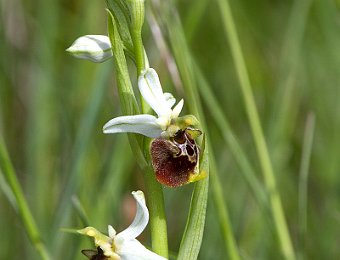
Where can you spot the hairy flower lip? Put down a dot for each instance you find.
(176, 160)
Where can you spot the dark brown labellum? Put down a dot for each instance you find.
(174, 160)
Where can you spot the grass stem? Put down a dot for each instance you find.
(303, 180)
(24, 211)
(254, 120)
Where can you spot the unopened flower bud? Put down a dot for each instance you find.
(96, 48)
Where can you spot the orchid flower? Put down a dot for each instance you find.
(123, 245)
(146, 124)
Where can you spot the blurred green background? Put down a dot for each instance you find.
(53, 107)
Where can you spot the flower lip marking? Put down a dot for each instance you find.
(176, 159)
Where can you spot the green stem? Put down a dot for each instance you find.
(303, 181)
(139, 50)
(140, 62)
(254, 120)
(24, 211)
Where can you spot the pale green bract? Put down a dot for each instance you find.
(145, 124)
(124, 245)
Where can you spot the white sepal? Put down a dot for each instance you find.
(96, 48)
(112, 231)
(177, 109)
(151, 90)
(140, 124)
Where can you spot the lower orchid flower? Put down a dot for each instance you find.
(123, 245)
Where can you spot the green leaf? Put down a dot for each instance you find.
(193, 233)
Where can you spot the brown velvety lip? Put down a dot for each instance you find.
(174, 160)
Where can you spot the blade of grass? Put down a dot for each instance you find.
(231, 139)
(80, 211)
(303, 181)
(290, 59)
(193, 233)
(193, 17)
(254, 120)
(24, 211)
(223, 214)
(84, 219)
(8, 192)
(165, 52)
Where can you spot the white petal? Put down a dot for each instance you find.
(177, 109)
(151, 90)
(96, 48)
(138, 224)
(112, 231)
(140, 124)
(169, 98)
(134, 250)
